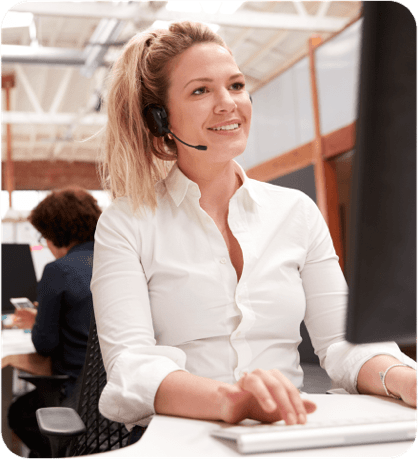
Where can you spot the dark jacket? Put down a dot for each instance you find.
(62, 324)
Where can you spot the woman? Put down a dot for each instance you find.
(201, 278)
(67, 220)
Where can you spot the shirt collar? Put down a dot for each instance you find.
(178, 184)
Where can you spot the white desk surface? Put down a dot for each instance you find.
(169, 436)
(16, 341)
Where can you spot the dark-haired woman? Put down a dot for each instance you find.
(67, 220)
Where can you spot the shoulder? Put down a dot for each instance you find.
(118, 214)
(80, 257)
(119, 225)
(121, 209)
(54, 274)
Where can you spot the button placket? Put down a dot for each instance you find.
(238, 338)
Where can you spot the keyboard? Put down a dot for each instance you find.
(259, 438)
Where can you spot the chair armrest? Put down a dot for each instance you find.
(49, 387)
(59, 422)
(35, 378)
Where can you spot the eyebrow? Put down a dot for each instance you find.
(209, 80)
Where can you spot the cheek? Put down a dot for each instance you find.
(247, 112)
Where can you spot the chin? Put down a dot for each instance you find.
(221, 153)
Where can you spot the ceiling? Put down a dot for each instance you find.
(61, 60)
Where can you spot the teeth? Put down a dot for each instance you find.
(228, 127)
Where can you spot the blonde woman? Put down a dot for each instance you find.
(202, 277)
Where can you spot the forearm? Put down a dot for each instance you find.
(369, 381)
(187, 395)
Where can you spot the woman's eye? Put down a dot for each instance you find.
(238, 86)
(199, 91)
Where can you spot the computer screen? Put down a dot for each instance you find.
(382, 240)
(18, 277)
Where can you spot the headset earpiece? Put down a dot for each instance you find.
(157, 119)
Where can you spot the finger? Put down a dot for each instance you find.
(285, 405)
(293, 403)
(309, 406)
(255, 385)
(260, 383)
(297, 402)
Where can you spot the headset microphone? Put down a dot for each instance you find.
(198, 147)
(157, 122)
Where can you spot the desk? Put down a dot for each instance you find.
(19, 352)
(169, 436)
(15, 341)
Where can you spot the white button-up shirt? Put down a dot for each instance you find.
(166, 295)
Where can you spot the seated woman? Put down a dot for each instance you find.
(202, 277)
(67, 220)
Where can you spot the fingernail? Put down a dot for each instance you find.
(302, 418)
(291, 419)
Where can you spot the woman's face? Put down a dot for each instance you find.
(208, 104)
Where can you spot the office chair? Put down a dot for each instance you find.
(85, 431)
(49, 387)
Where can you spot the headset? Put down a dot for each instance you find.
(157, 122)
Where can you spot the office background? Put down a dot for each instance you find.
(300, 59)
(56, 57)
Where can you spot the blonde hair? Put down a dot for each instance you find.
(134, 160)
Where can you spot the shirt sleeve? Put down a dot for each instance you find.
(134, 364)
(46, 329)
(326, 294)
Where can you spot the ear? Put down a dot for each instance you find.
(156, 119)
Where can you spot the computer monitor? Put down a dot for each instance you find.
(18, 278)
(382, 242)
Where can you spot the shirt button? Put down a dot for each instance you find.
(223, 260)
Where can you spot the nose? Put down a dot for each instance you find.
(224, 102)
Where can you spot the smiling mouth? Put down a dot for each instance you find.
(228, 127)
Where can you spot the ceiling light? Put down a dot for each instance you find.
(229, 7)
(208, 7)
(184, 6)
(211, 7)
(166, 24)
(15, 19)
(160, 25)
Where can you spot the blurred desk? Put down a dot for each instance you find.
(17, 352)
(169, 436)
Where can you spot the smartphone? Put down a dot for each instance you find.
(22, 303)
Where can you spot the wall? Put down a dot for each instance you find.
(282, 109)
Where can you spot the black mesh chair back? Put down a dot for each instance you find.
(101, 434)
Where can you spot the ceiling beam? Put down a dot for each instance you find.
(28, 89)
(255, 19)
(140, 12)
(59, 119)
(12, 54)
(61, 91)
(106, 31)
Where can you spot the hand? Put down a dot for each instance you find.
(25, 318)
(402, 382)
(266, 396)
